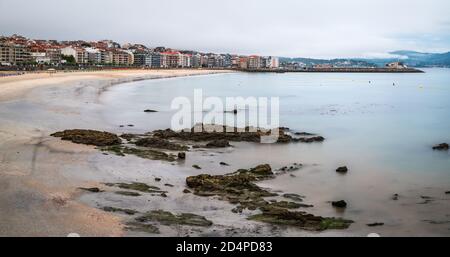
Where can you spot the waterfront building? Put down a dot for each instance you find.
(80, 55)
(171, 59)
(142, 58)
(254, 62)
(54, 55)
(196, 60)
(243, 62)
(94, 55)
(156, 60)
(122, 58)
(396, 65)
(13, 54)
(272, 62)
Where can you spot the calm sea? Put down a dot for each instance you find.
(382, 126)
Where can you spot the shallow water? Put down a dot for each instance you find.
(382, 126)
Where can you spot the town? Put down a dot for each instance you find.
(18, 51)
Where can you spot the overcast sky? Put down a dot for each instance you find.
(319, 28)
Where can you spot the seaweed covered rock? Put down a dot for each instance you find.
(218, 143)
(89, 137)
(114, 209)
(168, 218)
(160, 143)
(339, 204)
(151, 154)
(142, 227)
(309, 139)
(299, 219)
(232, 186)
(239, 188)
(214, 132)
(137, 186)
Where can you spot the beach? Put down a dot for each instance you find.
(39, 192)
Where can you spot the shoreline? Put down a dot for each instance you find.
(16, 86)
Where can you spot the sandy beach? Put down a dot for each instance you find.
(37, 173)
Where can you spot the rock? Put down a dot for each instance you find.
(239, 188)
(89, 137)
(213, 132)
(303, 134)
(130, 125)
(181, 155)
(218, 143)
(234, 111)
(342, 169)
(160, 143)
(339, 204)
(142, 227)
(114, 209)
(157, 179)
(128, 136)
(448, 192)
(141, 187)
(262, 170)
(168, 218)
(300, 219)
(195, 166)
(309, 139)
(375, 224)
(441, 147)
(286, 205)
(224, 164)
(186, 191)
(168, 185)
(150, 110)
(127, 193)
(394, 197)
(295, 197)
(91, 189)
(293, 167)
(163, 194)
(151, 154)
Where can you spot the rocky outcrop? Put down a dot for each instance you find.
(219, 143)
(160, 144)
(88, 137)
(204, 133)
(342, 169)
(168, 218)
(239, 188)
(441, 147)
(339, 204)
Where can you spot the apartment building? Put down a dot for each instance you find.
(13, 54)
(254, 62)
(80, 55)
(171, 59)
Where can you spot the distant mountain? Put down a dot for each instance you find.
(416, 59)
(338, 62)
(410, 58)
